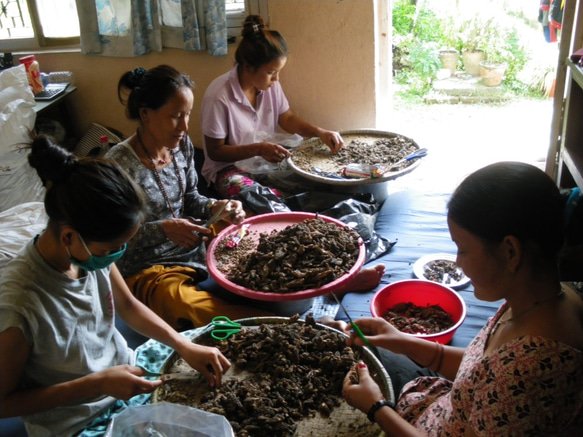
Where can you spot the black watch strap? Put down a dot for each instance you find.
(376, 407)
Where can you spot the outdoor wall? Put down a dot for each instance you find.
(329, 79)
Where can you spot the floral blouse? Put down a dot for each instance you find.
(531, 386)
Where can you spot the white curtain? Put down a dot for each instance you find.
(128, 28)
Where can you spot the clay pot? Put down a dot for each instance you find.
(472, 61)
(449, 60)
(492, 73)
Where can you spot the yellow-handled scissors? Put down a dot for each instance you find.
(223, 328)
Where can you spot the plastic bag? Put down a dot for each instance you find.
(258, 165)
(168, 420)
(17, 116)
(261, 200)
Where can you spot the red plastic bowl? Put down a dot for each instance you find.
(421, 293)
(267, 223)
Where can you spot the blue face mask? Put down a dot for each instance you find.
(96, 262)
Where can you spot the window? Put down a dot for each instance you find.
(34, 24)
(26, 25)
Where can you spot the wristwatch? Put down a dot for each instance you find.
(376, 407)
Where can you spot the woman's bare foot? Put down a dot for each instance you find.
(366, 279)
(332, 323)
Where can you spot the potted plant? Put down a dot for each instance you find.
(474, 34)
(485, 48)
(449, 58)
(492, 73)
(449, 55)
(498, 54)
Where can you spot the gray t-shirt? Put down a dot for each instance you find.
(70, 326)
(150, 246)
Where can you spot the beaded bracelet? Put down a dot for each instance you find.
(377, 406)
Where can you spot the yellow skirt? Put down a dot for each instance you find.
(171, 292)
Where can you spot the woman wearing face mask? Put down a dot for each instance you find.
(64, 366)
(246, 101)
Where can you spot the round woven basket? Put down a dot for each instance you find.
(376, 186)
(344, 420)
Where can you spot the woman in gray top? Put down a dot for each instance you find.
(63, 364)
(165, 261)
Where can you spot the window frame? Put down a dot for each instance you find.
(40, 42)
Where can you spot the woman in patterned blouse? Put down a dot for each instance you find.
(523, 373)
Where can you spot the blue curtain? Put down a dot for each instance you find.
(133, 28)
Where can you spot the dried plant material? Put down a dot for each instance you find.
(413, 319)
(303, 256)
(285, 374)
(442, 271)
(357, 149)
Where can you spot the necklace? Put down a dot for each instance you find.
(159, 179)
(501, 322)
(160, 161)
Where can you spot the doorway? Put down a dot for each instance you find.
(463, 137)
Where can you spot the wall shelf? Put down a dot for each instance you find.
(570, 169)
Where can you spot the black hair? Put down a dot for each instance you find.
(259, 45)
(150, 88)
(511, 198)
(94, 196)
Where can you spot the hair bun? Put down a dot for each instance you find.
(52, 162)
(135, 76)
(253, 26)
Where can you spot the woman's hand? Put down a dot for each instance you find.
(234, 210)
(125, 382)
(378, 331)
(359, 389)
(184, 232)
(273, 152)
(207, 360)
(332, 139)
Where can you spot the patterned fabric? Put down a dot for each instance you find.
(134, 28)
(231, 181)
(530, 386)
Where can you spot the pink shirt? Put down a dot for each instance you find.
(226, 113)
(530, 386)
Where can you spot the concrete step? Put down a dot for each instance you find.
(464, 88)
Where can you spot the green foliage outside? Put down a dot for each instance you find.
(419, 34)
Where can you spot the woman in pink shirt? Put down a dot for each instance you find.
(245, 104)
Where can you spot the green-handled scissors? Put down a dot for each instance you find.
(357, 329)
(223, 328)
